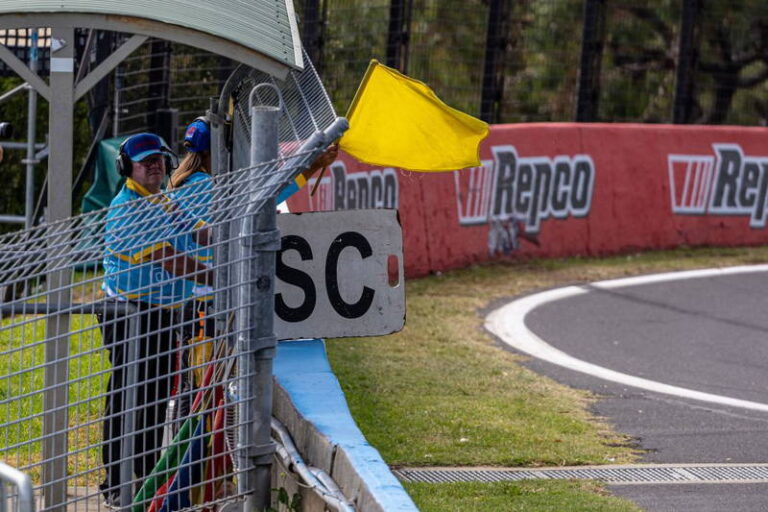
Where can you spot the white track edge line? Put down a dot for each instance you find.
(507, 323)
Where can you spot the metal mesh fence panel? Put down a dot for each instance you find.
(541, 61)
(15, 490)
(170, 76)
(121, 377)
(305, 110)
(97, 372)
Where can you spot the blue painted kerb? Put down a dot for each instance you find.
(302, 369)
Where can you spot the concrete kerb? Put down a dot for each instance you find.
(309, 401)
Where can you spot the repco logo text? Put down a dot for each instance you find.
(525, 189)
(342, 191)
(725, 183)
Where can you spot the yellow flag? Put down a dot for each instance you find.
(396, 121)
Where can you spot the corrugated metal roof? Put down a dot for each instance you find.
(265, 26)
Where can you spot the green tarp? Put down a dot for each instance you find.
(106, 180)
(106, 183)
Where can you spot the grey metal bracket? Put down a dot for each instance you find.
(263, 241)
(262, 454)
(216, 119)
(262, 345)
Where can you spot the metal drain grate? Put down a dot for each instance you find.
(645, 474)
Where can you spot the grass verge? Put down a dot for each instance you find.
(516, 496)
(22, 377)
(442, 392)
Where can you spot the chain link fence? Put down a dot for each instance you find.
(548, 60)
(163, 86)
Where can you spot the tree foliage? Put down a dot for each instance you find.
(446, 48)
(13, 170)
(542, 48)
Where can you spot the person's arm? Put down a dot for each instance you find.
(181, 265)
(325, 159)
(201, 231)
(203, 235)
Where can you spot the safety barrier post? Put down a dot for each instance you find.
(259, 242)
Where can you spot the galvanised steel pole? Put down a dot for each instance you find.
(259, 242)
(132, 354)
(58, 278)
(30, 161)
(220, 161)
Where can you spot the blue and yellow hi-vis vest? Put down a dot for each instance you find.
(195, 197)
(138, 224)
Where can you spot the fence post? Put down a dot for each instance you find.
(312, 31)
(493, 70)
(686, 64)
(162, 119)
(220, 162)
(259, 242)
(159, 76)
(55, 398)
(132, 351)
(399, 34)
(98, 99)
(29, 162)
(592, 40)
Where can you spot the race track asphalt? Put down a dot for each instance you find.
(704, 334)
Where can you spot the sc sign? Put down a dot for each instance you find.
(339, 274)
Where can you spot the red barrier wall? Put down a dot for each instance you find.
(579, 189)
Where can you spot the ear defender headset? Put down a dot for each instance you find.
(124, 163)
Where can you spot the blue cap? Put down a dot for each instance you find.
(198, 136)
(140, 146)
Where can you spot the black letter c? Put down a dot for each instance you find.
(359, 308)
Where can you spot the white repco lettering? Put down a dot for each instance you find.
(726, 183)
(528, 189)
(342, 191)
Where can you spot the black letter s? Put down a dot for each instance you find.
(295, 277)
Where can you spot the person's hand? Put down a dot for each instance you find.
(325, 159)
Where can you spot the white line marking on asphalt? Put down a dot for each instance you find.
(508, 324)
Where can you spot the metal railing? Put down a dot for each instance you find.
(15, 490)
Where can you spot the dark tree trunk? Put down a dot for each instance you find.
(726, 84)
(592, 42)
